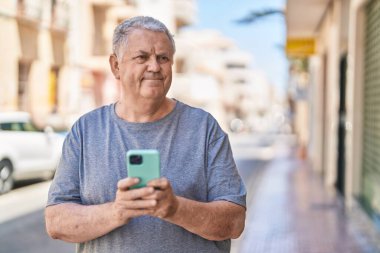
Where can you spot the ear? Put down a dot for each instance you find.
(114, 64)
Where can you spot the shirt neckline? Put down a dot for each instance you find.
(142, 125)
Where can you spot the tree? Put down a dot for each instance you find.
(254, 16)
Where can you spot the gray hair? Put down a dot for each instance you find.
(121, 32)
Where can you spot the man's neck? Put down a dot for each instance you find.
(144, 111)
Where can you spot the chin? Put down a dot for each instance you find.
(153, 95)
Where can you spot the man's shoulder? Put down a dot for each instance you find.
(94, 117)
(96, 113)
(198, 117)
(193, 111)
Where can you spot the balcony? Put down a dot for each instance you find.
(60, 15)
(29, 11)
(185, 12)
(120, 13)
(303, 17)
(109, 3)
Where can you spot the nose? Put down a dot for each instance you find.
(153, 65)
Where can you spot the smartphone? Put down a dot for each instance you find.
(143, 164)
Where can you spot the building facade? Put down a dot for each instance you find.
(34, 54)
(55, 62)
(343, 81)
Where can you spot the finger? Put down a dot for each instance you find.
(125, 183)
(135, 193)
(160, 183)
(157, 195)
(139, 204)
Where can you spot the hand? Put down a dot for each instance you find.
(132, 203)
(166, 201)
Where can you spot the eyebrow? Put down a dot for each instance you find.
(145, 52)
(141, 52)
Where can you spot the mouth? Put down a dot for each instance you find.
(152, 82)
(153, 77)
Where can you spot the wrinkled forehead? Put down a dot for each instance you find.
(140, 38)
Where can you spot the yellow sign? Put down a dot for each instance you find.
(300, 47)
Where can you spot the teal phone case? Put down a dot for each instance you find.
(148, 169)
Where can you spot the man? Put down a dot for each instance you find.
(199, 203)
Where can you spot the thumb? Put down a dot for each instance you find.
(125, 183)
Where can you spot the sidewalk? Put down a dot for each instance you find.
(23, 201)
(290, 211)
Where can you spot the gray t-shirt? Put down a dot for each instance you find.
(195, 156)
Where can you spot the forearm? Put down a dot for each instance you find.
(78, 223)
(219, 220)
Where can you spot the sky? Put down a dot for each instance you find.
(264, 39)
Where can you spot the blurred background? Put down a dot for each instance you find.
(294, 83)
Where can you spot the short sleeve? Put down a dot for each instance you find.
(224, 181)
(65, 186)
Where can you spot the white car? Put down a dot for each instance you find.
(25, 151)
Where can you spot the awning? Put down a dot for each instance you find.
(300, 47)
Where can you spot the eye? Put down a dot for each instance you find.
(162, 59)
(141, 58)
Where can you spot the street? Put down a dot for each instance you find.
(27, 234)
(22, 226)
(22, 221)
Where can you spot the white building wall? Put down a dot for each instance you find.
(329, 49)
(333, 96)
(354, 93)
(210, 82)
(10, 52)
(334, 40)
(316, 121)
(162, 10)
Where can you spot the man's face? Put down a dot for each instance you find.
(145, 67)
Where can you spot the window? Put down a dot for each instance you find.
(240, 81)
(99, 40)
(18, 126)
(23, 84)
(180, 64)
(235, 66)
